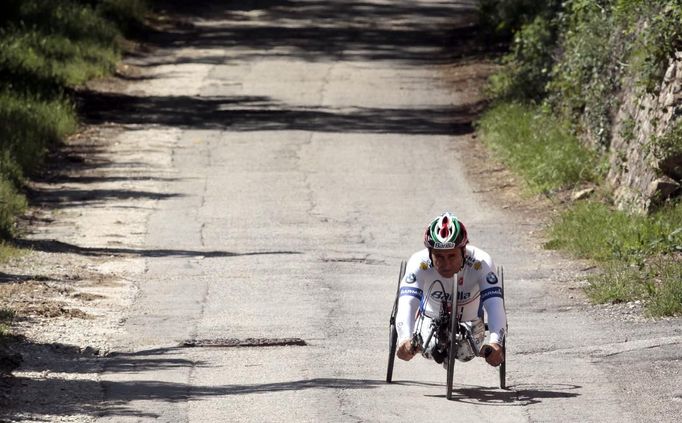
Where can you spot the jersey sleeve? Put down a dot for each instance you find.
(491, 298)
(410, 297)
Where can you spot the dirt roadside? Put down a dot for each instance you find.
(84, 235)
(71, 287)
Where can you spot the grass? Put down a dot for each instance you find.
(538, 147)
(594, 231)
(47, 49)
(640, 255)
(658, 284)
(6, 319)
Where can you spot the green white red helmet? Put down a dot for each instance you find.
(445, 232)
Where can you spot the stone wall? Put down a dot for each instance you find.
(640, 176)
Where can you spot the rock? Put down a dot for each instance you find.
(90, 351)
(582, 194)
(663, 187)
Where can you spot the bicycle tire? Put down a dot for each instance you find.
(393, 333)
(452, 348)
(503, 370)
(392, 346)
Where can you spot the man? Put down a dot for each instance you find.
(427, 282)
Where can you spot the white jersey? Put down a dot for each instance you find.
(478, 288)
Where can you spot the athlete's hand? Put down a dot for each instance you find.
(406, 351)
(493, 354)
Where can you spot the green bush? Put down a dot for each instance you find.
(654, 46)
(127, 14)
(526, 69)
(501, 19)
(588, 74)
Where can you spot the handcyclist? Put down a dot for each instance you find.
(428, 280)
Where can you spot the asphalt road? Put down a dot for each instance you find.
(304, 146)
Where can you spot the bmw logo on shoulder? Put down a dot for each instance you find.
(411, 278)
(491, 278)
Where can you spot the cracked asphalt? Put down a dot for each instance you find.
(285, 157)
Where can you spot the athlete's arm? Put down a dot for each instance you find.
(491, 298)
(410, 296)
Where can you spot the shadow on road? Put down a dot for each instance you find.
(514, 395)
(70, 395)
(405, 32)
(408, 34)
(120, 394)
(263, 114)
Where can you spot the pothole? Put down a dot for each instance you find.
(248, 342)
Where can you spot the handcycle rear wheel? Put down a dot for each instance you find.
(503, 366)
(393, 333)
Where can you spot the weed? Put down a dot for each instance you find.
(658, 285)
(617, 284)
(592, 230)
(6, 319)
(640, 253)
(667, 300)
(8, 251)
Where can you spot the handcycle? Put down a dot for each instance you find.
(442, 326)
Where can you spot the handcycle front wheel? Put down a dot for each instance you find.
(452, 347)
(392, 332)
(392, 347)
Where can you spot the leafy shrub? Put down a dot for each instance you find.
(588, 74)
(656, 36)
(526, 69)
(127, 14)
(501, 19)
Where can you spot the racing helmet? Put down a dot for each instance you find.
(445, 232)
